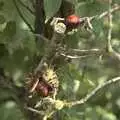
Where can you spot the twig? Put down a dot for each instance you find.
(34, 110)
(45, 117)
(109, 46)
(83, 50)
(73, 103)
(87, 52)
(25, 6)
(38, 35)
(111, 51)
(81, 101)
(92, 93)
(78, 54)
(100, 16)
(74, 57)
(21, 15)
(41, 37)
(107, 12)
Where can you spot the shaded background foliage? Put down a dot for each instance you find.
(18, 49)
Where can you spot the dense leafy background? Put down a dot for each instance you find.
(17, 50)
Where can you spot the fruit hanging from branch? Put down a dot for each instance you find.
(44, 83)
(72, 21)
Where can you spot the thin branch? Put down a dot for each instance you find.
(109, 46)
(21, 15)
(81, 101)
(111, 51)
(116, 8)
(84, 50)
(87, 52)
(74, 57)
(93, 93)
(39, 36)
(25, 6)
(100, 16)
(78, 54)
(78, 102)
(34, 110)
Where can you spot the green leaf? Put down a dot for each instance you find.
(2, 19)
(3, 50)
(9, 110)
(97, 113)
(51, 7)
(6, 93)
(10, 29)
(1, 5)
(97, 27)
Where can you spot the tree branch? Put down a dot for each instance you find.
(59, 104)
(116, 8)
(111, 51)
(92, 93)
(34, 110)
(74, 56)
(109, 46)
(78, 53)
(102, 15)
